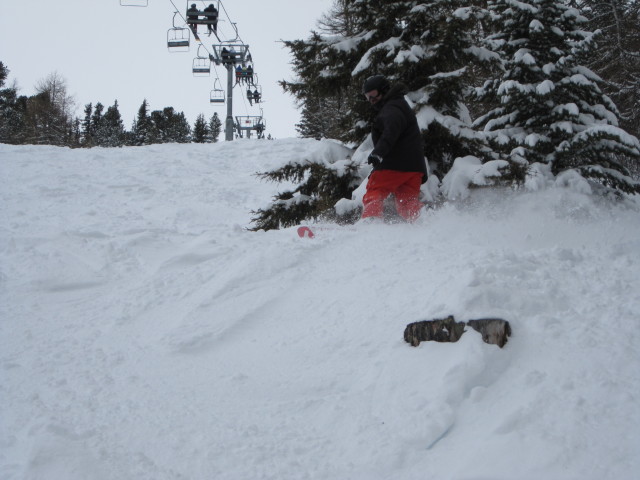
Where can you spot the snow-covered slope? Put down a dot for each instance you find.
(146, 334)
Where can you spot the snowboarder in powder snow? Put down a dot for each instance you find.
(397, 158)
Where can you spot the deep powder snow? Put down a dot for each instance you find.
(147, 334)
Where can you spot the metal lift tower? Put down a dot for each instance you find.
(229, 56)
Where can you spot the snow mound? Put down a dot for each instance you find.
(148, 334)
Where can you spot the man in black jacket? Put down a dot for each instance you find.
(397, 158)
(211, 13)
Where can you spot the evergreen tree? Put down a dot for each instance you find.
(87, 128)
(317, 120)
(323, 64)
(170, 127)
(215, 127)
(551, 109)
(12, 109)
(4, 73)
(95, 124)
(111, 130)
(141, 131)
(320, 186)
(74, 139)
(179, 129)
(617, 58)
(200, 130)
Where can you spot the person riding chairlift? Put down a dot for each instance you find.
(212, 16)
(192, 18)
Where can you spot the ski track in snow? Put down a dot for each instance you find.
(147, 334)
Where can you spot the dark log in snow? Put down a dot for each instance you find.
(493, 330)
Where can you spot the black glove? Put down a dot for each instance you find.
(374, 159)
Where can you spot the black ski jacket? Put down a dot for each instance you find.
(396, 135)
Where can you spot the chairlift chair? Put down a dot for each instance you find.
(201, 17)
(246, 123)
(257, 88)
(217, 95)
(201, 66)
(178, 37)
(230, 53)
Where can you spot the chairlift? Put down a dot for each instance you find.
(217, 95)
(134, 3)
(230, 53)
(247, 123)
(205, 16)
(257, 93)
(201, 66)
(178, 37)
(254, 94)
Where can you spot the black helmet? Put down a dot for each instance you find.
(376, 82)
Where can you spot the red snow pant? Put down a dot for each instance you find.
(404, 185)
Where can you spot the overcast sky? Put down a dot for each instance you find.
(106, 52)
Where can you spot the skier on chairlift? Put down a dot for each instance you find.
(212, 16)
(192, 18)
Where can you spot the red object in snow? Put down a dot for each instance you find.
(305, 232)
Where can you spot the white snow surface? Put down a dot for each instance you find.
(147, 334)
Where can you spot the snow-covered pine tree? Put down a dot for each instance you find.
(141, 129)
(87, 127)
(74, 136)
(320, 186)
(325, 63)
(200, 130)
(96, 123)
(180, 128)
(551, 108)
(215, 127)
(169, 126)
(110, 133)
(617, 58)
(324, 109)
(11, 110)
